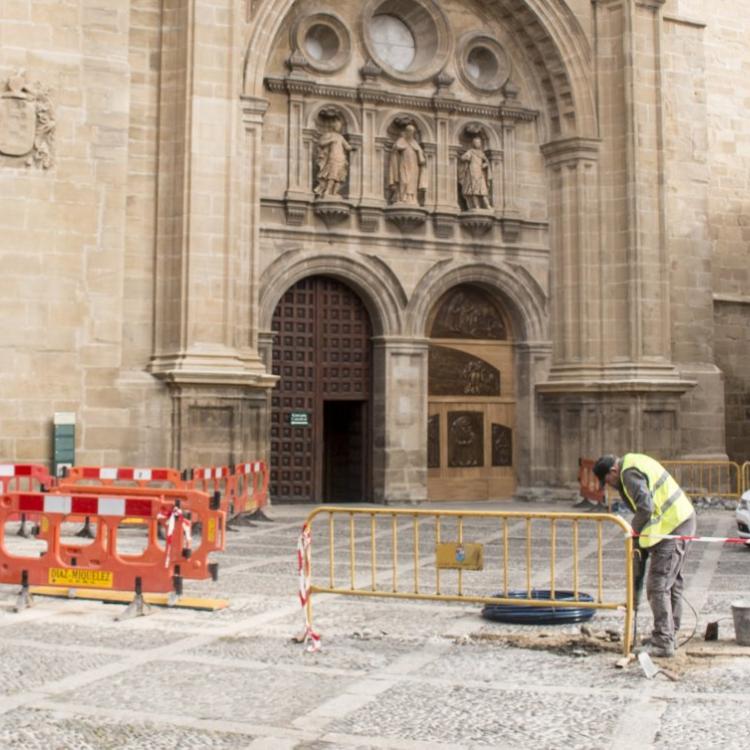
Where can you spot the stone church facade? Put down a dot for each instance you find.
(402, 249)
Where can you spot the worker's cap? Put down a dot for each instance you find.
(603, 466)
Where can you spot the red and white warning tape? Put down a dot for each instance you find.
(172, 519)
(304, 566)
(688, 538)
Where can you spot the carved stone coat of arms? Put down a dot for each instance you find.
(27, 122)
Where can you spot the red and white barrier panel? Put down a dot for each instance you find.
(253, 467)
(84, 505)
(305, 570)
(212, 472)
(123, 473)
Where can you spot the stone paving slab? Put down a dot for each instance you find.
(395, 674)
(237, 695)
(36, 729)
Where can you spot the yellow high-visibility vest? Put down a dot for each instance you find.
(671, 505)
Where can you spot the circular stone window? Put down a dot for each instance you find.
(408, 39)
(483, 64)
(393, 41)
(324, 41)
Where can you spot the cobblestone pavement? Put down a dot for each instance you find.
(392, 673)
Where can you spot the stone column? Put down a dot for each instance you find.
(400, 419)
(574, 214)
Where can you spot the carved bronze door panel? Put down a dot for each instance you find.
(471, 399)
(320, 444)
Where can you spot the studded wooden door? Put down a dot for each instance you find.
(321, 352)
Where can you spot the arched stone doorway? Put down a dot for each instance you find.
(471, 398)
(321, 408)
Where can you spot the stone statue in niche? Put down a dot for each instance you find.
(407, 171)
(474, 176)
(332, 159)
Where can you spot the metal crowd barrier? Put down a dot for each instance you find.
(707, 478)
(437, 555)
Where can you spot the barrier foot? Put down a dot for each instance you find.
(86, 532)
(22, 530)
(24, 599)
(258, 515)
(136, 608)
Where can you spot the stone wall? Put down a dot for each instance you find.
(65, 233)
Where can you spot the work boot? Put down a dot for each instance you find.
(663, 651)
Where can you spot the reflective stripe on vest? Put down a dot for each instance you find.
(671, 504)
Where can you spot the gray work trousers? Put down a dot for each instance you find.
(665, 583)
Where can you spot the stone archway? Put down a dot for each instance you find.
(471, 398)
(321, 410)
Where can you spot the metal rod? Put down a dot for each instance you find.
(600, 561)
(394, 545)
(352, 562)
(506, 556)
(331, 538)
(528, 556)
(553, 542)
(416, 554)
(437, 544)
(460, 541)
(373, 560)
(575, 558)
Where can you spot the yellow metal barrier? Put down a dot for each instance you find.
(746, 476)
(707, 478)
(449, 555)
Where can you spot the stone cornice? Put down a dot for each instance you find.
(378, 96)
(253, 109)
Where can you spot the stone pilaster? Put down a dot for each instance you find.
(400, 420)
(206, 240)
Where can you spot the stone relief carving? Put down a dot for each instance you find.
(407, 171)
(433, 442)
(455, 373)
(27, 122)
(474, 176)
(332, 157)
(467, 313)
(502, 445)
(465, 439)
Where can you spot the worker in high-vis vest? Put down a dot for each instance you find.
(660, 509)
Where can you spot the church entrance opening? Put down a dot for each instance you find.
(321, 406)
(471, 398)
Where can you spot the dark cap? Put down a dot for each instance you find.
(603, 466)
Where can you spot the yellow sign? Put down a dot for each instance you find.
(211, 529)
(93, 579)
(460, 556)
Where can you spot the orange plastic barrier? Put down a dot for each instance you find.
(197, 507)
(588, 482)
(24, 478)
(213, 479)
(123, 475)
(251, 486)
(99, 564)
(243, 487)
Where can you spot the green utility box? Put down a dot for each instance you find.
(63, 442)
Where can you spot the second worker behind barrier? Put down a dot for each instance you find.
(661, 508)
